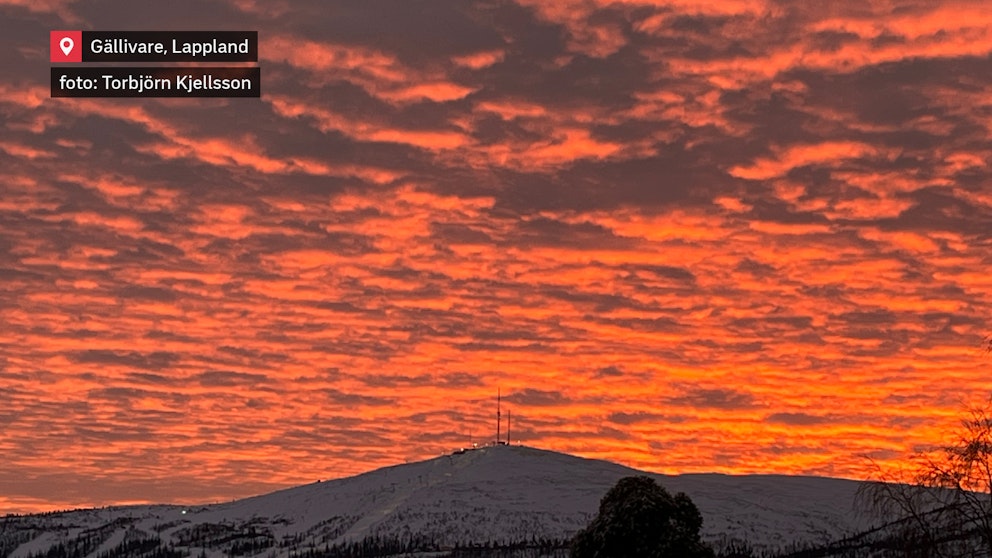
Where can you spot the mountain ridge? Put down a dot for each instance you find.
(494, 494)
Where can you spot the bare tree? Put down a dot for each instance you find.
(946, 508)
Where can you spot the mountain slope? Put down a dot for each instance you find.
(503, 494)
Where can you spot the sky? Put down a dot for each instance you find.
(743, 236)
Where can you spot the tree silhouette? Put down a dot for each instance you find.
(637, 517)
(947, 509)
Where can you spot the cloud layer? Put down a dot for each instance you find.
(686, 236)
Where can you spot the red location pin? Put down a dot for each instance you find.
(66, 46)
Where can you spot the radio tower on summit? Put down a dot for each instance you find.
(499, 418)
(499, 422)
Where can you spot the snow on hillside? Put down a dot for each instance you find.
(502, 494)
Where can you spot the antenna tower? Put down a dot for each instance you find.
(499, 418)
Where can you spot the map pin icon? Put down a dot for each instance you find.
(66, 45)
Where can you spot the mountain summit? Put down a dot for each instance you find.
(497, 494)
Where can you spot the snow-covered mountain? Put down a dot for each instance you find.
(502, 494)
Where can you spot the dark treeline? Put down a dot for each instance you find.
(531, 549)
(369, 547)
(378, 547)
(84, 543)
(15, 531)
(895, 540)
(243, 540)
(134, 547)
(898, 545)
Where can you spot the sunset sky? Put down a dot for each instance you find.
(735, 236)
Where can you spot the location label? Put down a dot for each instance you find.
(66, 46)
(161, 47)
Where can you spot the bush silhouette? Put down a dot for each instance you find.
(638, 518)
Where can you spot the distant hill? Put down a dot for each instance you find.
(501, 495)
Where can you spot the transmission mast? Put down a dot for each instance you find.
(499, 418)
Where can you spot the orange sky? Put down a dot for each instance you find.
(684, 236)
